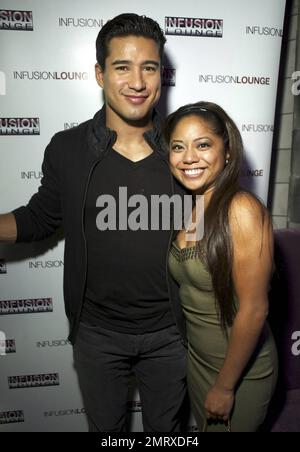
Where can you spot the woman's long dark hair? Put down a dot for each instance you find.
(217, 237)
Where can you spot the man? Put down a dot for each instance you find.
(119, 300)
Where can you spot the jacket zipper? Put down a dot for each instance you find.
(84, 239)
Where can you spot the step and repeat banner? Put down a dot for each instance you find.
(225, 52)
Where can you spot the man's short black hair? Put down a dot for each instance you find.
(128, 25)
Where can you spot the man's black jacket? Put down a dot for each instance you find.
(68, 163)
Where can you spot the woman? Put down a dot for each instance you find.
(223, 278)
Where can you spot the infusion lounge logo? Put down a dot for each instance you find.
(65, 412)
(2, 84)
(11, 417)
(46, 264)
(252, 173)
(82, 22)
(7, 346)
(50, 75)
(33, 381)
(16, 20)
(19, 126)
(53, 343)
(28, 306)
(264, 31)
(190, 26)
(29, 175)
(258, 128)
(234, 79)
(2, 343)
(3, 269)
(168, 76)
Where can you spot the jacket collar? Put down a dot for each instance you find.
(101, 138)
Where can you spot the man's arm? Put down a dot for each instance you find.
(8, 228)
(42, 216)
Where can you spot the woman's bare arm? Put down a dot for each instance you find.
(8, 228)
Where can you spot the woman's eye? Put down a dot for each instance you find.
(203, 145)
(176, 148)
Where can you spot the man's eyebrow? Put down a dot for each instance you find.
(155, 63)
(117, 62)
(114, 63)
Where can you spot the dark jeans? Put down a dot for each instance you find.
(104, 361)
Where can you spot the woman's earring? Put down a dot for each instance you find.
(226, 161)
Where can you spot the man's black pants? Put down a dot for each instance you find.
(104, 361)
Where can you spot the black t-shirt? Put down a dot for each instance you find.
(126, 282)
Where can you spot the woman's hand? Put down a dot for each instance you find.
(219, 403)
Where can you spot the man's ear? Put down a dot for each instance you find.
(99, 75)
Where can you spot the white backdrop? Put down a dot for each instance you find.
(47, 58)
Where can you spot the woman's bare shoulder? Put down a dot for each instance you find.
(246, 213)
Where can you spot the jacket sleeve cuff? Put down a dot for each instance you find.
(24, 224)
